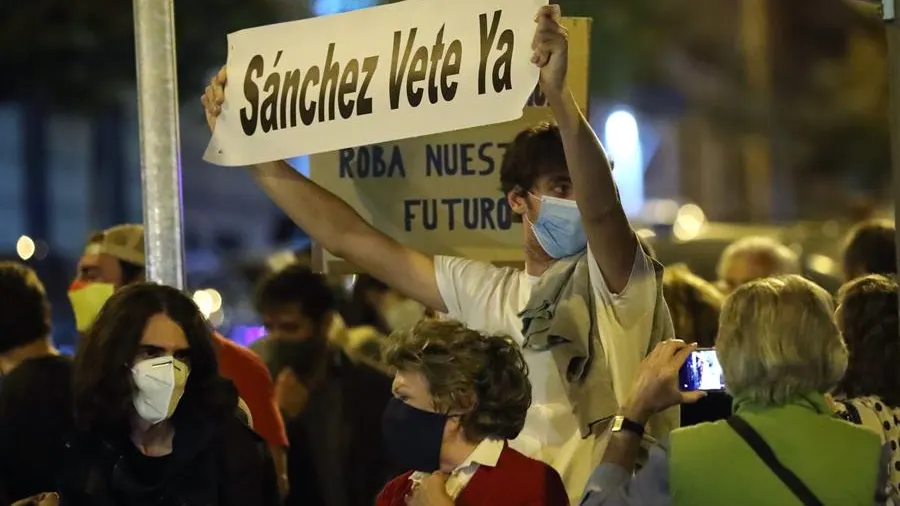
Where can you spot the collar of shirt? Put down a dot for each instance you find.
(487, 453)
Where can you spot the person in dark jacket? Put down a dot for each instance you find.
(332, 403)
(35, 396)
(155, 423)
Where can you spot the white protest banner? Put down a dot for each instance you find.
(440, 194)
(411, 68)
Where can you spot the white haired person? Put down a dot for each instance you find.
(754, 257)
(780, 352)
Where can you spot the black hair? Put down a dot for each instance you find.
(25, 313)
(296, 285)
(871, 249)
(869, 323)
(536, 151)
(102, 378)
(361, 310)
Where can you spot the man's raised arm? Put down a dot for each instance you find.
(336, 226)
(610, 237)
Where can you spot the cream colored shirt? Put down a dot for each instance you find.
(489, 299)
(487, 453)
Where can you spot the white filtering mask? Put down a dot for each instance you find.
(160, 384)
(404, 314)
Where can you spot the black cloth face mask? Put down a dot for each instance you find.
(301, 356)
(413, 436)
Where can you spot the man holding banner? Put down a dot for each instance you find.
(588, 305)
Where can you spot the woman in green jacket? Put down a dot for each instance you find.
(780, 351)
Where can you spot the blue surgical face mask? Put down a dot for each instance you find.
(558, 228)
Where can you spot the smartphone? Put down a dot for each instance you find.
(702, 371)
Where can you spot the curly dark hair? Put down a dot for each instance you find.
(869, 321)
(26, 318)
(536, 151)
(102, 378)
(483, 374)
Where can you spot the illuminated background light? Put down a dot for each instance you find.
(217, 318)
(659, 212)
(216, 299)
(623, 144)
(209, 301)
(25, 247)
(300, 164)
(646, 233)
(689, 223)
(326, 7)
(822, 264)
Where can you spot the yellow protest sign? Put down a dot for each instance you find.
(440, 194)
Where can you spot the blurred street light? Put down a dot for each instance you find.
(25, 247)
(216, 299)
(689, 223)
(622, 139)
(660, 211)
(821, 264)
(326, 7)
(209, 301)
(217, 318)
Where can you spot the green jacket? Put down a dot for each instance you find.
(711, 464)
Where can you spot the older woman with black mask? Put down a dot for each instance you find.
(458, 396)
(781, 352)
(155, 422)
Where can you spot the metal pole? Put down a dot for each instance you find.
(888, 10)
(154, 35)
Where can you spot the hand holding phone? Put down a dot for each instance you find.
(702, 371)
(656, 385)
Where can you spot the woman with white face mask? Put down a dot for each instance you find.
(156, 424)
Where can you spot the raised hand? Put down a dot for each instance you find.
(213, 98)
(551, 50)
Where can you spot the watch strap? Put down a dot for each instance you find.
(620, 423)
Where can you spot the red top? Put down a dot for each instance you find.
(516, 481)
(255, 386)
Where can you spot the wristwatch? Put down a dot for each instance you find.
(620, 423)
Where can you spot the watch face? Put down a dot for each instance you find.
(617, 423)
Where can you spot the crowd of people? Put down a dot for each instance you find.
(448, 381)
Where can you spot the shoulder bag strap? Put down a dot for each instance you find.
(764, 452)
